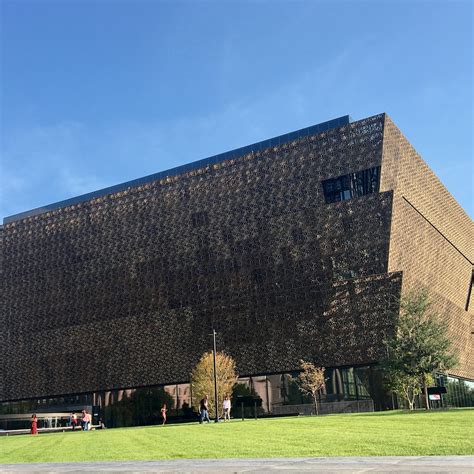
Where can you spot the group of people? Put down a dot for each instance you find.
(204, 409)
(86, 419)
(86, 422)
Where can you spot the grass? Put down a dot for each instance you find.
(364, 434)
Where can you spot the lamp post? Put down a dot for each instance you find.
(388, 356)
(216, 403)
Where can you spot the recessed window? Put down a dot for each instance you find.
(352, 185)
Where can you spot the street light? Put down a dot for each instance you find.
(216, 403)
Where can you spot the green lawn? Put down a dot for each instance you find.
(366, 434)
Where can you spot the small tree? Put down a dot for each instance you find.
(311, 381)
(420, 344)
(406, 386)
(202, 378)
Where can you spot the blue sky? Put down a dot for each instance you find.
(94, 93)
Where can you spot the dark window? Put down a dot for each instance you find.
(199, 219)
(352, 185)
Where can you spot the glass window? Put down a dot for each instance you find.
(352, 185)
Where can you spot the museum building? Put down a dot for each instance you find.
(297, 247)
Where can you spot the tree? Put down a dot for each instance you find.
(202, 378)
(419, 346)
(311, 381)
(405, 385)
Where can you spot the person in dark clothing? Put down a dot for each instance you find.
(204, 408)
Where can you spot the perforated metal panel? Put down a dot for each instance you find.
(431, 240)
(122, 290)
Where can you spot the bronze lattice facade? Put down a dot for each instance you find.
(298, 247)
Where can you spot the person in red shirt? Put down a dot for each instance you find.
(34, 425)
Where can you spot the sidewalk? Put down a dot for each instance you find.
(440, 464)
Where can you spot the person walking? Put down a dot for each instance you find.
(204, 407)
(163, 413)
(34, 425)
(226, 408)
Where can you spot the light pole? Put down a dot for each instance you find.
(388, 356)
(216, 403)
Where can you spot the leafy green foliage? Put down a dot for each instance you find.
(202, 378)
(405, 385)
(419, 346)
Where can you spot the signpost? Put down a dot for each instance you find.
(434, 394)
(249, 401)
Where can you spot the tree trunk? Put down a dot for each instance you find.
(315, 398)
(425, 392)
(410, 398)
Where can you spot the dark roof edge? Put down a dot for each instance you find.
(232, 154)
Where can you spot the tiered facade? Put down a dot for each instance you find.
(294, 249)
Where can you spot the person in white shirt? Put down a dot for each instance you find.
(226, 407)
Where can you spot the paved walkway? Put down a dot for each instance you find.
(440, 464)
